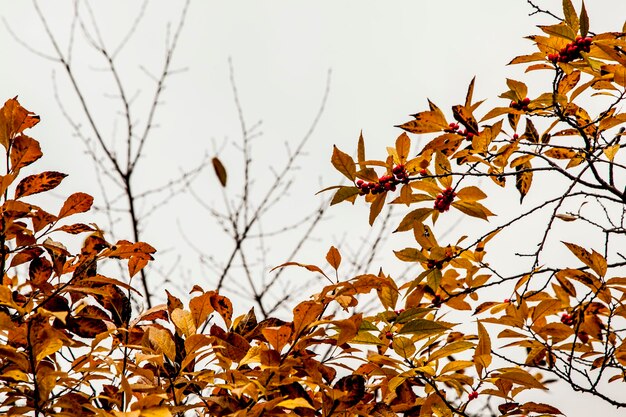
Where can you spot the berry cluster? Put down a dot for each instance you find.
(472, 396)
(455, 128)
(386, 182)
(520, 105)
(443, 201)
(567, 319)
(572, 50)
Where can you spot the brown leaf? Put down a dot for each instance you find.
(376, 207)
(14, 119)
(223, 306)
(24, 151)
(343, 163)
(277, 337)
(464, 116)
(304, 314)
(523, 179)
(220, 171)
(201, 308)
(426, 122)
(38, 183)
(333, 257)
(482, 355)
(593, 260)
(75, 229)
(76, 203)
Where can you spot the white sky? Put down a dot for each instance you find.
(386, 59)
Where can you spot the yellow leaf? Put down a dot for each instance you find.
(376, 207)
(593, 260)
(482, 355)
(156, 412)
(518, 87)
(403, 347)
(521, 377)
(296, 402)
(442, 167)
(473, 209)
(560, 153)
(451, 348)
(184, 322)
(160, 340)
(471, 193)
(571, 18)
(403, 147)
(426, 122)
(361, 151)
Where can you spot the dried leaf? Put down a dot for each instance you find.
(76, 203)
(304, 314)
(343, 163)
(38, 183)
(24, 151)
(333, 257)
(220, 171)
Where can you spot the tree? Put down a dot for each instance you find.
(71, 345)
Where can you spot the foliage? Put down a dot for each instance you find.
(71, 345)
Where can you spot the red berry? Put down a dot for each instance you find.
(423, 172)
(515, 136)
(506, 300)
(526, 101)
(473, 395)
(389, 335)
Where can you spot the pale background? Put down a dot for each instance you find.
(386, 59)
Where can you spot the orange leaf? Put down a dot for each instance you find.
(333, 257)
(304, 314)
(403, 147)
(38, 183)
(75, 229)
(277, 337)
(223, 306)
(14, 119)
(201, 307)
(76, 203)
(24, 151)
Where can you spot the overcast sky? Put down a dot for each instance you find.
(385, 59)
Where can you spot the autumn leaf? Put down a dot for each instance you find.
(38, 183)
(593, 259)
(14, 119)
(523, 179)
(482, 355)
(220, 171)
(333, 257)
(277, 337)
(76, 203)
(24, 151)
(304, 314)
(343, 163)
